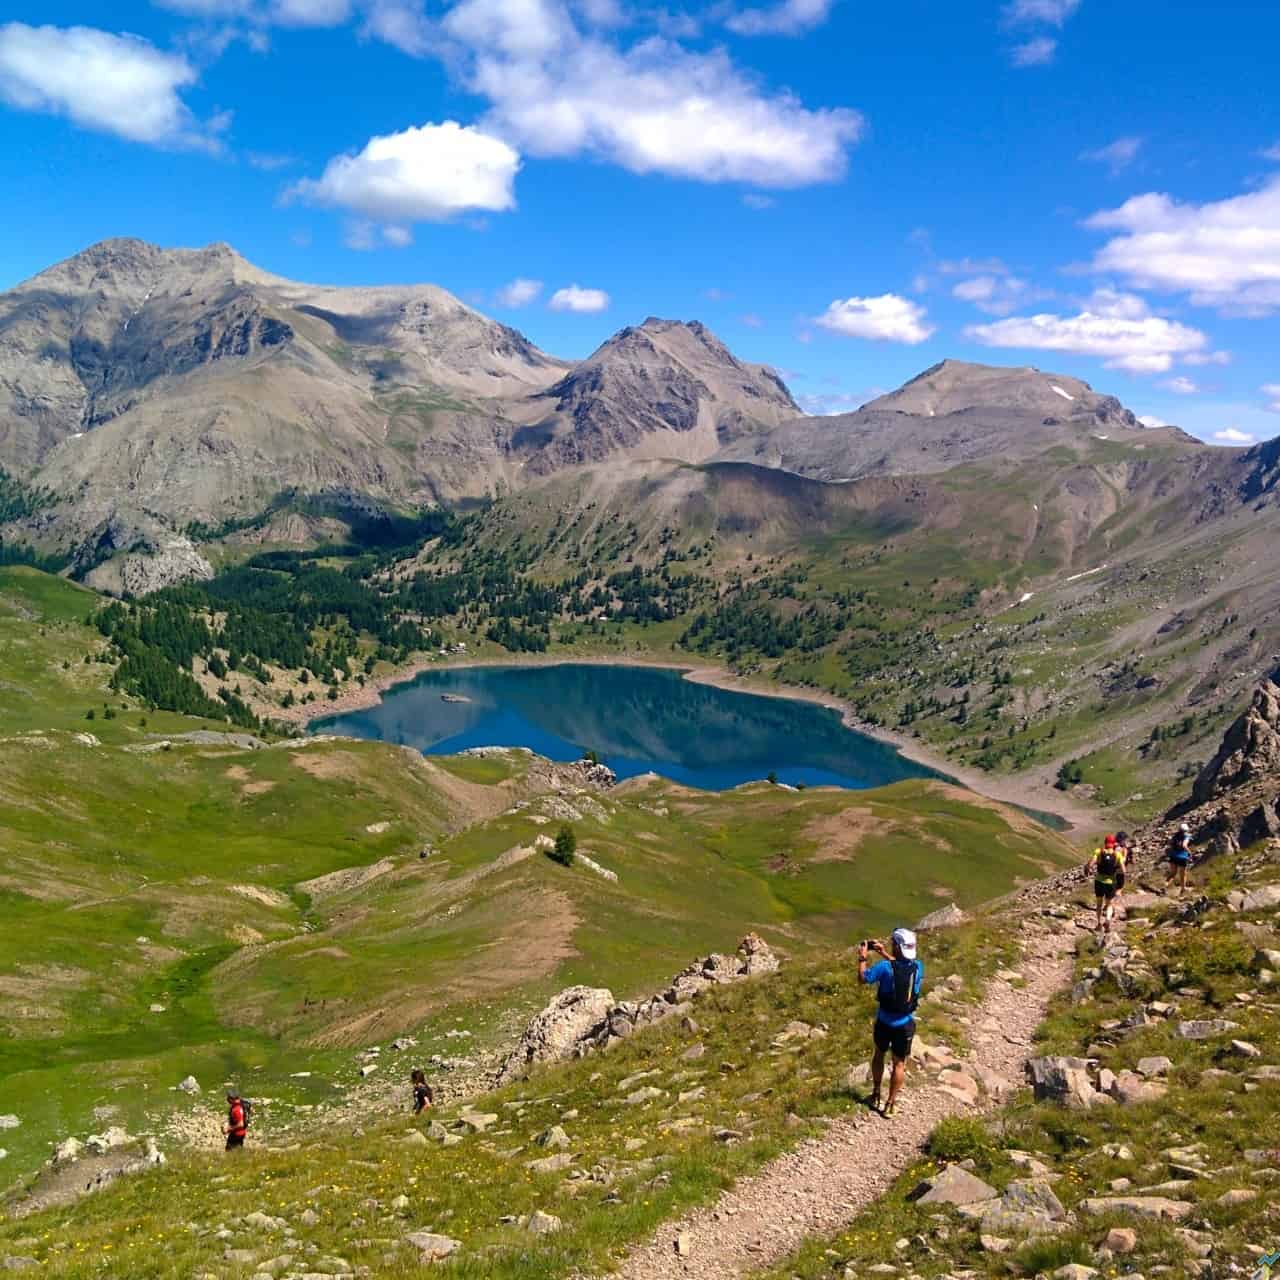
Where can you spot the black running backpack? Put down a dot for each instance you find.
(906, 989)
(1107, 863)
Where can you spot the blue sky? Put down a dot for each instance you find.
(847, 192)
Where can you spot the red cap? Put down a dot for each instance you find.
(1110, 842)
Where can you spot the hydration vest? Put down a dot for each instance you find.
(1108, 864)
(902, 1000)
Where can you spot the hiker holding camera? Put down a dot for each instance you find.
(899, 976)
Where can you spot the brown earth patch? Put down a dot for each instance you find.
(347, 879)
(326, 764)
(836, 836)
(260, 893)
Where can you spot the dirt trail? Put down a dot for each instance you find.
(818, 1188)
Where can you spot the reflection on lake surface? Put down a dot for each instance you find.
(636, 719)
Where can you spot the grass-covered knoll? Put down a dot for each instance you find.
(1212, 1133)
(732, 1090)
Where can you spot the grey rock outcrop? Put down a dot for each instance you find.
(1250, 749)
(555, 1033)
(948, 917)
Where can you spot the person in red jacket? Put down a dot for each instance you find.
(237, 1122)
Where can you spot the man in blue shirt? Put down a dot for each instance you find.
(899, 977)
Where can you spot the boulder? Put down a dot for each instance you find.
(1074, 1271)
(432, 1247)
(1032, 1195)
(543, 1224)
(953, 1185)
(960, 1085)
(554, 1137)
(1243, 1049)
(1137, 1206)
(1204, 1028)
(551, 1164)
(555, 1033)
(948, 917)
(1063, 1079)
(1129, 1087)
(1237, 1195)
(1263, 899)
(1149, 1068)
(190, 1085)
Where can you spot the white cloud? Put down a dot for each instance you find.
(753, 321)
(364, 235)
(268, 161)
(789, 18)
(1233, 435)
(425, 174)
(1182, 386)
(113, 84)
(652, 107)
(1117, 155)
(973, 267)
(1224, 253)
(1207, 357)
(310, 13)
(575, 298)
(519, 293)
(1117, 327)
(755, 200)
(825, 404)
(287, 13)
(1151, 422)
(1034, 53)
(886, 318)
(996, 295)
(1272, 391)
(401, 23)
(1054, 12)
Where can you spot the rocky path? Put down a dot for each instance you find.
(819, 1187)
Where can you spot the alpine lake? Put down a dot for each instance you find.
(636, 719)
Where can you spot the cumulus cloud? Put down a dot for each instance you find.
(1151, 422)
(886, 318)
(574, 297)
(1118, 327)
(1272, 391)
(1223, 253)
(116, 84)
(1182, 386)
(364, 235)
(425, 174)
(1034, 53)
(519, 293)
(789, 18)
(1054, 12)
(1117, 155)
(652, 107)
(1233, 435)
(973, 267)
(1207, 357)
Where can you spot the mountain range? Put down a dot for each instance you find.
(144, 391)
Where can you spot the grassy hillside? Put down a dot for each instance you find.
(178, 900)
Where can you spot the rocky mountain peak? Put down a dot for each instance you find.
(957, 386)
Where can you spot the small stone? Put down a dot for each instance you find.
(1074, 1271)
(1204, 1028)
(553, 1137)
(1243, 1049)
(400, 1203)
(953, 1185)
(415, 1138)
(551, 1164)
(190, 1085)
(1121, 1240)
(1155, 1066)
(995, 1244)
(684, 1245)
(542, 1224)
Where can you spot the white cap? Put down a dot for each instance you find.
(905, 941)
(1186, 828)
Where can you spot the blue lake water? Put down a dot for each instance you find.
(636, 719)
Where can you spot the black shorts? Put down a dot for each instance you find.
(235, 1141)
(1105, 889)
(1119, 880)
(895, 1039)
